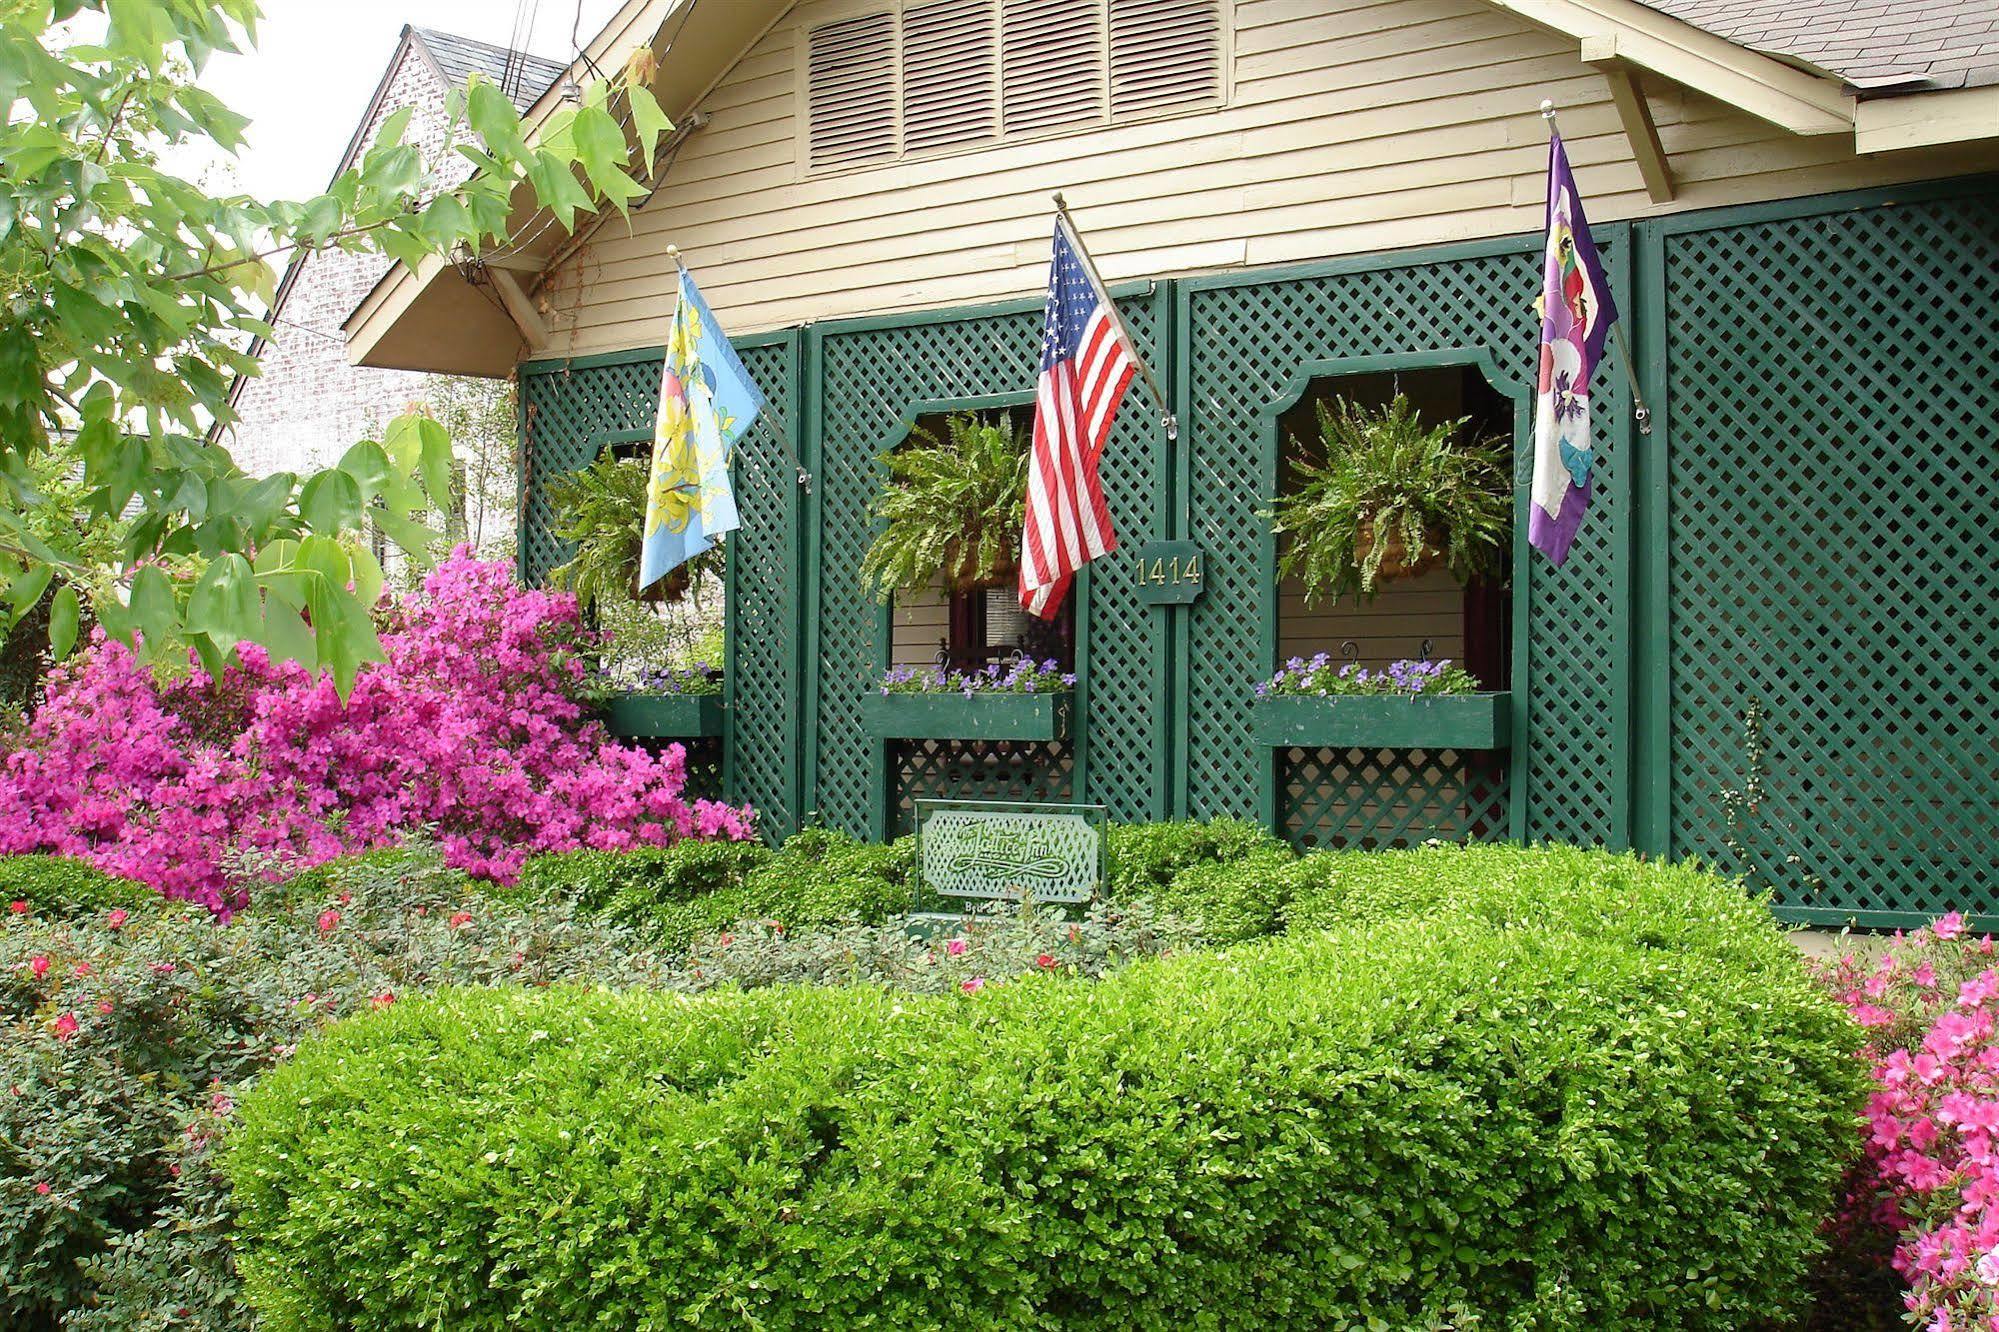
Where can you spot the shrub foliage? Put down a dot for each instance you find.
(1586, 1093)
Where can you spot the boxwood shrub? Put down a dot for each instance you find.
(1583, 1093)
(62, 886)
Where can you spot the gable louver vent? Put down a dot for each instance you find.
(851, 80)
(1052, 64)
(925, 76)
(949, 93)
(1164, 53)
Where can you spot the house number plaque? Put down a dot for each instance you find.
(1169, 573)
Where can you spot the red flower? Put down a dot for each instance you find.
(116, 918)
(104, 1005)
(42, 1187)
(974, 985)
(460, 919)
(725, 941)
(956, 947)
(327, 920)
(65, 1026)
(18, 908)
(83, 968)
(39, 965)
(382, 1000)
(1044, 961)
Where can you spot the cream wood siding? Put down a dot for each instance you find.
(921, 623)
(1350, 126)
(1404, 614)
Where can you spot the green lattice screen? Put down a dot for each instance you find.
(566, 410)
(1389, 797)
(975, 770)
(875, 376)
(1247, 340)
(1834, 552)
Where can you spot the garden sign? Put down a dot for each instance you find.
(1010, 851)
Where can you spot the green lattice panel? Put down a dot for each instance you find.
(565, 411)
(975, 770)
(871, 379)
(1247, 342)
(1389, 797)
(568, 411)
(1834, 553)
(765, 608)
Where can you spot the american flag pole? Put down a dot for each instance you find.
(1068, 224)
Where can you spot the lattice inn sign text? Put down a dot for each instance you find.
(1011, 851)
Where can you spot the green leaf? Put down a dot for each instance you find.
(600, 144)
(224, 603)
(437, 462)
(286, 636)
(648, 122)
(28, 588)
(394, 127)
(368, 464)
(494, 118)
(151, 606)
(65, 614)
(331, 502)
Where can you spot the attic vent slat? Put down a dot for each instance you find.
(851, 88)
(1052, 63)
(949, 94)
(1164, 53)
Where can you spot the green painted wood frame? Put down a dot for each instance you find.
(1517, 391)
(1383, 721)
(665, 716)
(789, 400)
(812, 446)
(990, 716)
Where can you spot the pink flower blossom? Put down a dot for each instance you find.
(382, 1000)
(18, 907)
(956, 948)
(38, 966)
(42, 1187)
(104, 1005)
(460, 919)
(117, 917)
(974, 985)
(65, 1026)
(470, 726)
(1044, 961)
(1950, 926)
(328, 920)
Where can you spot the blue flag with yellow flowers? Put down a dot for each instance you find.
(706, 401)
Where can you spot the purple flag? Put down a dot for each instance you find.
(1576, 314)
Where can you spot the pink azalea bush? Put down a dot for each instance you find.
(470, 728)
(1930, 1173)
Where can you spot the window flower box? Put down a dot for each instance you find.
(664, 716)
(983, 716)
(1382, 721)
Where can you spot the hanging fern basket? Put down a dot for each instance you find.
(1396, 561)
(670, 590)
(966, 576)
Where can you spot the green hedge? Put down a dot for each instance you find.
(1563, 1091)
(680, 892)
(60, 886)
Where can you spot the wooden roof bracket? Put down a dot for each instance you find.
(1600, 54)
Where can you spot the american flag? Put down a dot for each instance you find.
(1085, 367)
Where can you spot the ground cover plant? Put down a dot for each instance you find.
(1583, 1093)
(469, 726)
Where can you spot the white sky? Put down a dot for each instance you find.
(317, 62)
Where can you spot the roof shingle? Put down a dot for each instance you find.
(461, 57)
(1875, 45)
